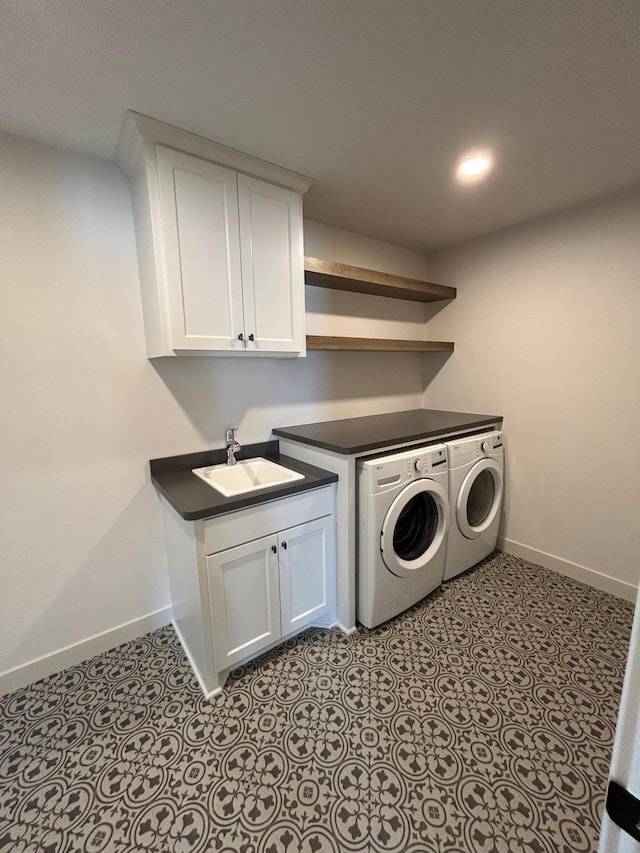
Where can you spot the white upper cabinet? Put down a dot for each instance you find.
(201, 238)
(272, 261)
(220, 245)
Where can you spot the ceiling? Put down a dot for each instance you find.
(376, 100)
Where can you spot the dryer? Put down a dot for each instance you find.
(476, 485)
(403, 513)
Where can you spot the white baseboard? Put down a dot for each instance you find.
(598, 580)
(344, 630)
(208, 694)
(21, 676)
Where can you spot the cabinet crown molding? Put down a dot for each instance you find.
(139, 129)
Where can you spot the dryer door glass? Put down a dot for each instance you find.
(479, 499)
(416, 527)
(481, 496)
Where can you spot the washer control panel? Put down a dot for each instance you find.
(399, 468)
(430, 462)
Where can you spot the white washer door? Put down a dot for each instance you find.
(414, 528)
(479, 498)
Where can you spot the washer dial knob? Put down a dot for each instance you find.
(486, 447)
(419, 465)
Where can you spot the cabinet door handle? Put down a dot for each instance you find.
(274, 549)
(240, 337)
(284, 545)
(251, 338)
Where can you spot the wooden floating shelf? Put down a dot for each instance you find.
(326, 342)
(344, 277)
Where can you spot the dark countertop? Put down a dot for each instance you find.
(358, 435)
(192, 498)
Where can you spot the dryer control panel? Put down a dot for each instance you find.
(476, 447)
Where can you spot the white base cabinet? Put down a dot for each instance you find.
(262, 591)
(234, 596)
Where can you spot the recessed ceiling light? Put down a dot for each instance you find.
(474, 166)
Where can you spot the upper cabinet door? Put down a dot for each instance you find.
(199, 212)
(272, 266)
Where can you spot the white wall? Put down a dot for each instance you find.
(547, 331)
(83, 409)
(354, 314)
(79, 522)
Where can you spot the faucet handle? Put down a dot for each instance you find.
(231, 434)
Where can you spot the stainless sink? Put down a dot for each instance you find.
(249, 475)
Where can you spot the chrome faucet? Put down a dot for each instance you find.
(232, 445)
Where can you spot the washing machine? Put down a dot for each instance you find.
(403, 514)
(476, 485)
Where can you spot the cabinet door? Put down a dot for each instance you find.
(244, 596)
(305, 572)
(201, 244)
(272, 266)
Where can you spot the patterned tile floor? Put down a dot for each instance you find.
(480, 720)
